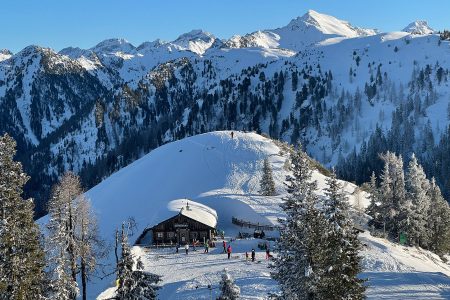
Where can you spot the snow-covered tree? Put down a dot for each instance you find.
(74, 243)
(133, 284)
(392, 194)
(229, 290)
(125, 268)
(342, 261)
(373, 209)
(298, 265)
(267, 184)
(89, 243)
(438, 224)
(61, 244)
(21, 255)
(417, 212)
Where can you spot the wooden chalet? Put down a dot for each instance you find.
(192, 223)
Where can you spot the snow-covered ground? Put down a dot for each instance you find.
(223, 173)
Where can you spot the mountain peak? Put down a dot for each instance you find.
(197, 41)
(5, 54)
(328, 25)
(196, 34)
(419, 27)
(114, 45)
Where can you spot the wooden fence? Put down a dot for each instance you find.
(257, 226)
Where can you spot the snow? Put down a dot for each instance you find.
(195, 211)
(419, 27)
(220, 177)
(197, 41)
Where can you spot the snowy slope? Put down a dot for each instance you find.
(223, 173)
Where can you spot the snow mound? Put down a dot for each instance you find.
(419, 28)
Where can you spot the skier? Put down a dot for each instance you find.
(253, 255)
(186, 247)
(232, 134)
(267, 253)
(229, 251)
(193, 244)
(177, 247)
(206, 247)
(224, 247)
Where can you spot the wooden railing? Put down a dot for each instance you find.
(258, 226)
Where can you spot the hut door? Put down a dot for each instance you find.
(183, 236)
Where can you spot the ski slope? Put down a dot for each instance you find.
(223, 173)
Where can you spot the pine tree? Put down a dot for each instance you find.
(417, 213)
(373, 209)
(229, 290)
(298, 267)
(393, 194)
(342, 262)
(267, 183)
(438, 223)
(21, 255)
(133, 284)
(125, 268)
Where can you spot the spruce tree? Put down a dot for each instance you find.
(342, 262)
(229, 290)
(133, 284)
(22, 260)
(393, 194)
(373, 210)
(417, 186)
(267, 183)
(438, 224)
(125, 268)
(298, 265)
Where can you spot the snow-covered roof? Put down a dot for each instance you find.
(194, 210)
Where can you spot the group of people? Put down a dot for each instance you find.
(226, 249)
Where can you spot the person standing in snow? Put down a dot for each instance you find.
(177, 247)
(253, 255)
(229, 251)
(224, 246)
(186, 247)
(246, 256)
(232, 135)
(206, 247)
(267, 253)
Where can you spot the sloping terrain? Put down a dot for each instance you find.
(223, 173)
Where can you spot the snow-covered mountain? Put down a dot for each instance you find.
(223, 173)
(419, 27)
(320, 80)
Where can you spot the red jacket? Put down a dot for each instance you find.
(229, 249)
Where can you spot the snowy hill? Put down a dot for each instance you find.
(223, 173)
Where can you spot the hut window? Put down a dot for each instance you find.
(170, 235)
(160, 235)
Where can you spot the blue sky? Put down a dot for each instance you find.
(84, 23)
